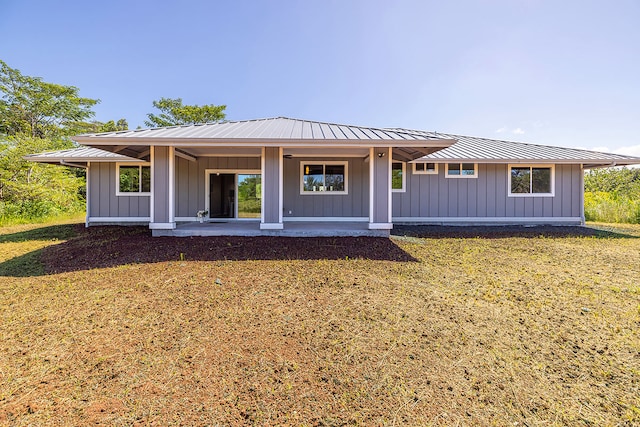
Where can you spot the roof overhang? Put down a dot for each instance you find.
(139, 148)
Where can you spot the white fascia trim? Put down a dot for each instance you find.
(380, 226)
(258, 142)
(488, 220)
(118, 219)
(271, 226)
(325, 219)
(162, 225)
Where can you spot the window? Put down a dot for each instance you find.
(531, 180)
(425, 168)
(324, 178)
(133, 180)
(461, 170)
(397, 176)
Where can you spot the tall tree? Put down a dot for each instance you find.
(173, 112)
(30, 106)
(37, 116)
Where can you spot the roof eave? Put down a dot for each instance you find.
(270, 142)
(585, 162)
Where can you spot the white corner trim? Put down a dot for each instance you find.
(172, 184)
(325, 219)
(280, 185)
(152, 158)
(380, 226)
(162, 225)
(87, 195)
(262, 167)
(271, 226)
(371, 181)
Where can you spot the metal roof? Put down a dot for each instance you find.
(79, 155)
(278, 128)
(484, 150)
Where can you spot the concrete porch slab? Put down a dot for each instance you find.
(291, 229)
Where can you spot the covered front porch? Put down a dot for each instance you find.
(290, 229)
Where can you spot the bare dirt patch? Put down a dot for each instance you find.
(534, 330)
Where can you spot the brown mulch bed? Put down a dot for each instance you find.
(108, 246)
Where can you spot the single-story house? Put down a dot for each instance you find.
(286, 176)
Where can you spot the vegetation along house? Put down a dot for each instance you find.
(298, 177)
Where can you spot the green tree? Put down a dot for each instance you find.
(173, 112)
(38, 116)
(33, 107)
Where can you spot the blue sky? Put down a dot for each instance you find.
(549, 72)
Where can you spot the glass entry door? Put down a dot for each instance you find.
(249, 195)
(235, 195)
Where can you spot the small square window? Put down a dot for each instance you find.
(133, 180)
(461, 170)
(425, 168)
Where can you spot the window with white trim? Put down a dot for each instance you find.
(425, 168)
(461, 170)
(398, 177)
(323, 178)
(531, 180)
(133, 180)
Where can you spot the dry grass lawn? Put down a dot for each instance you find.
(112, 327)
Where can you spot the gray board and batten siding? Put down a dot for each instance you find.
(434, 198)
(351, 206)
(426, 197)
(105, 205)
(190, 190)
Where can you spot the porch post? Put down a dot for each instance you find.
(380, 189)
(162, 188)
(272, 181)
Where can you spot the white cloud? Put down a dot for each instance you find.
(632, 150)
(517, 131)
(502, 129)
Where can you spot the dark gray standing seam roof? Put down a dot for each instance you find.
(484, 150)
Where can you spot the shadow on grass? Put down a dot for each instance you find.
(100, 247)
(503, 232)
(52, 232)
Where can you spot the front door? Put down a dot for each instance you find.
(222, 194)
(235, 195)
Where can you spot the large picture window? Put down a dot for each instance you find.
(323, 178)
(461, 170)
(133, 180)
(531, 180)
(397, 176)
